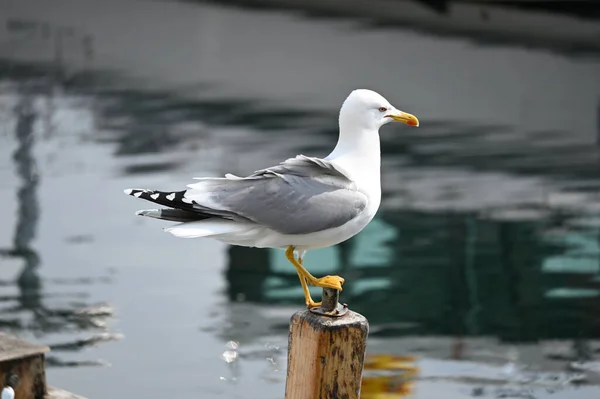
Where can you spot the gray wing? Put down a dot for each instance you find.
(301, 195)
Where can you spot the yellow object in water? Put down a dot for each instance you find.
(397, 382)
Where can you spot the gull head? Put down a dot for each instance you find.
(367, 109)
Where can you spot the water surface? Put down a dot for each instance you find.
(481, 269)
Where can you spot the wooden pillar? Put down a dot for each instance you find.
(326, 351)
(22, 369)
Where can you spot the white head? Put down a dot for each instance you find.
(369, 110)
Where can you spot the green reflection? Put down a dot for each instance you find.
(447, 274)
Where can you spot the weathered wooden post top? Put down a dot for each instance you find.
(22, 367)
(326, 351)
(22, 371)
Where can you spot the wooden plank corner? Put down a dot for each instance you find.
(13, 348)
(22, 366)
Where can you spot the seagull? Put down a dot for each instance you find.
(301, 204)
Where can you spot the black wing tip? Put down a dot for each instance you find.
(171, 199)
(143, 193)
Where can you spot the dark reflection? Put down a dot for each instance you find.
(598, 123)
(28, 281)
(32, 296)
(450, 274)
(454, 275)
(83, 343)
(371, 19)
(246, 273)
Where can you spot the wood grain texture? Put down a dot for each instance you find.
(27, 362)
(12, 348)
(31, 373)
(326, 356)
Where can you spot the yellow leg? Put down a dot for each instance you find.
(307, 298)
(306, 278)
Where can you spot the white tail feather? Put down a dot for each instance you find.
(205, 228)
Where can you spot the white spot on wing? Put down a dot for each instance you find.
(171, 196)
(128, 191)
(138, 194)
(154, 196)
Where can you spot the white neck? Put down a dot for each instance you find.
(358, 153)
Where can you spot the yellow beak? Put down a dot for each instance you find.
(404, 117)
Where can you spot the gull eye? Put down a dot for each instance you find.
(382, 109)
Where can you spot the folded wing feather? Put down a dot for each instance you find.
(299, 196)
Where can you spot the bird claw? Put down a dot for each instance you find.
(312, 304)
(334, 282)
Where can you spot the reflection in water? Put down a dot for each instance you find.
(388, 376)
(461, 275)
(31, 296)
(28, 281)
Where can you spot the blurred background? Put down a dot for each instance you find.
(480, 275)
